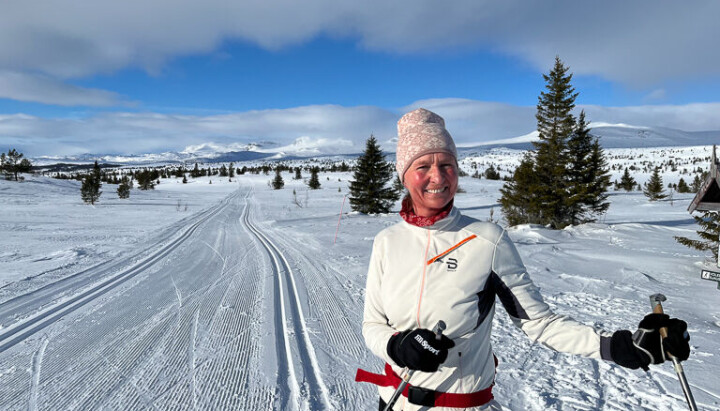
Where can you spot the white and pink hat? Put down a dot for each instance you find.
(421, 132)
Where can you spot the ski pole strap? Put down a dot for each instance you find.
(423, 396)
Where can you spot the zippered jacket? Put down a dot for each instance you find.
(452, 271)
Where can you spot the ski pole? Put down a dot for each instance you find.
(656, 304)
(438, 330)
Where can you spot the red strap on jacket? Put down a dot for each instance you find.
(442, 399)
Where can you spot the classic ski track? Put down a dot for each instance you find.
(23, 329)
(306, 352)
(155, 351)
(33, 299)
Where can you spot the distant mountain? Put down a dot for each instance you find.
(610, 135)
(621, 136)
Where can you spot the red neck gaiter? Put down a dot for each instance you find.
(408, 214)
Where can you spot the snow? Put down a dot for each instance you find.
(246, 301)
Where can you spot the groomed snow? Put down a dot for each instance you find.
(245, 300)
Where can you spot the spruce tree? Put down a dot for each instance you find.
(145, 180)
(579, 180)
(555, 126)
(298, 176)
(626, 181)
(491, 173)
(231, 170)
(599, 177)
(563, 181)
(709, 222)
(697, 183)
(518, 202)
(654, 190)
(682, 186)
(123, 189)
(90, 188)
(195, 173)
(278, 181)
(314, 182)
(369, 190)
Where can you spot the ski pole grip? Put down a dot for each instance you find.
(657, 308)
(439, 328)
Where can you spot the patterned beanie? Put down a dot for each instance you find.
(421, 132)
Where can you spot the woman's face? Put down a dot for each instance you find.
(432, 181)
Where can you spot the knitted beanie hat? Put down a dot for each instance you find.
(421, 132)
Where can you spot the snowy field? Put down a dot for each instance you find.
(235, 296)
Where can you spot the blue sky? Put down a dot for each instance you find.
(92, 77)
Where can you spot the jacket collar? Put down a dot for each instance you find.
(443, 223)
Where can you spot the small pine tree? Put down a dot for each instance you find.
(231, 170)
(123, 190)
(626, 181)
(195, 173)
(223, 171)
(369, 193)
(709, 222)
(13, 164)
(145, 180)
(184, 179)
(314, 182)
(682, 186)
(654, 189)
(491, 173)
(696, 184)
(298, 176)
(278, 182)
(90, 188)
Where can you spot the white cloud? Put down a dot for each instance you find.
(47, 90)
(309, 127)
(640, 43)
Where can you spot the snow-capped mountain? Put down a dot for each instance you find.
(610, 135)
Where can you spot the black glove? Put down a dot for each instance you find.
(646, 346)
(419, 349)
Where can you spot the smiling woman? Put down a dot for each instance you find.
(438, 265)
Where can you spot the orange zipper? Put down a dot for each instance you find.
(446, 252)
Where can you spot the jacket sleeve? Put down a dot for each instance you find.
(522, 300)
(375, 329)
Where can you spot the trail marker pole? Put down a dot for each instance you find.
(339, 217)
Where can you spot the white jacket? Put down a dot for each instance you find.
(413, 281)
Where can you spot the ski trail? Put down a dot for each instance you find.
(193, 338)
(294, 335)
(36, 367)
(177, 291)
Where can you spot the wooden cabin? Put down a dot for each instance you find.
(708, 197)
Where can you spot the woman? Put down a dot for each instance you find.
(440, 265)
